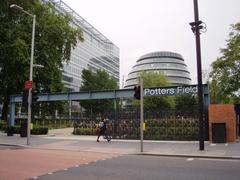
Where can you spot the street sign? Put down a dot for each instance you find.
(171, 91)
(28, 84)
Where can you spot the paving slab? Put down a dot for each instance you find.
(63, 139)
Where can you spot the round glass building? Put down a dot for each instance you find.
(168, 63)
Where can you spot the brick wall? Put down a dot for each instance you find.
(223, 113)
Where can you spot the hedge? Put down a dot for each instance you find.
(39, 130)
(34, 131)
(3, 125)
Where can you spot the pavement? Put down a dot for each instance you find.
(62, 139)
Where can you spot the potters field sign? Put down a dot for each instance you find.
(170, 91)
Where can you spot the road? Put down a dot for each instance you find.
(17, 163)
(139, 167)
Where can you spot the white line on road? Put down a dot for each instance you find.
(212, 144)
(189, 159)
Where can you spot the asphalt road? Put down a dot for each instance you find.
(139, 167)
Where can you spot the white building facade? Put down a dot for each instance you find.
(95, 52)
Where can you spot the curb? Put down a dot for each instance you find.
(191, 156)
(15, 145)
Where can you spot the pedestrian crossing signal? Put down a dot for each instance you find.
(137, 92)
(25, 98)
(34, 97)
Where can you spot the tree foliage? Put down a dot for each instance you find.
(99, 80)
(54, 39)
(186, 103)
(225, 73)
(151, 79)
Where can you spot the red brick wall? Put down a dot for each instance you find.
(223, 113)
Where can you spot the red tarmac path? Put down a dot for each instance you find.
(25, 163)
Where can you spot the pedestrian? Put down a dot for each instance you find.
(103, 130)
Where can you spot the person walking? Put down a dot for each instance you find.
(103, 130)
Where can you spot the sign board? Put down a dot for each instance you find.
(171, 91)
(28, 84)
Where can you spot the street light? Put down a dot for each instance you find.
(196, 26)
(31, 68)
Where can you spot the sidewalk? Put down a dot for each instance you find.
(62, 139)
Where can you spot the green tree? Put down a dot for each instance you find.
(186, 103)
(54, 39)
(99, 80)
(225, 72)
(157, 103)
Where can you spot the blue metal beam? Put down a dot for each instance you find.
(84, 95)
(89, 95)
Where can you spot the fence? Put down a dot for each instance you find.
(168, 124)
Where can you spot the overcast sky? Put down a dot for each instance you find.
(138, 27)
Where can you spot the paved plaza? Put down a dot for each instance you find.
(62, 139)
(61, 150)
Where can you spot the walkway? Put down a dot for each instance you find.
(62, 139)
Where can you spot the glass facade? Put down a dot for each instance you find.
(170, 64)
(95, 52)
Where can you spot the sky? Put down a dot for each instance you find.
(139, 27)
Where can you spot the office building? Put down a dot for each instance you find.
(170, 64)
(96, 52)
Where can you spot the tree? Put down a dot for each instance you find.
(54, 39)
(186, 104)
(157, 103)
(99, 80)
(225, 72)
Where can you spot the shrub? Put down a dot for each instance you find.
(12, 130)
(17, 129)
(3, 125)
(35, 131)
(39, 130)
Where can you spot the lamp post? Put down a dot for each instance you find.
(196, 27)
(141, 113)
(31, 68)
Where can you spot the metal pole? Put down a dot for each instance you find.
(115, 117)
(30, 78)
(70, 110)
(199, 75)
(141, 112)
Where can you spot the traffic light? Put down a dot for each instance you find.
(25, 98)
(137, 92)
(34, 97)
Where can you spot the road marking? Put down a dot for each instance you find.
(189, 159)
(222, 160)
